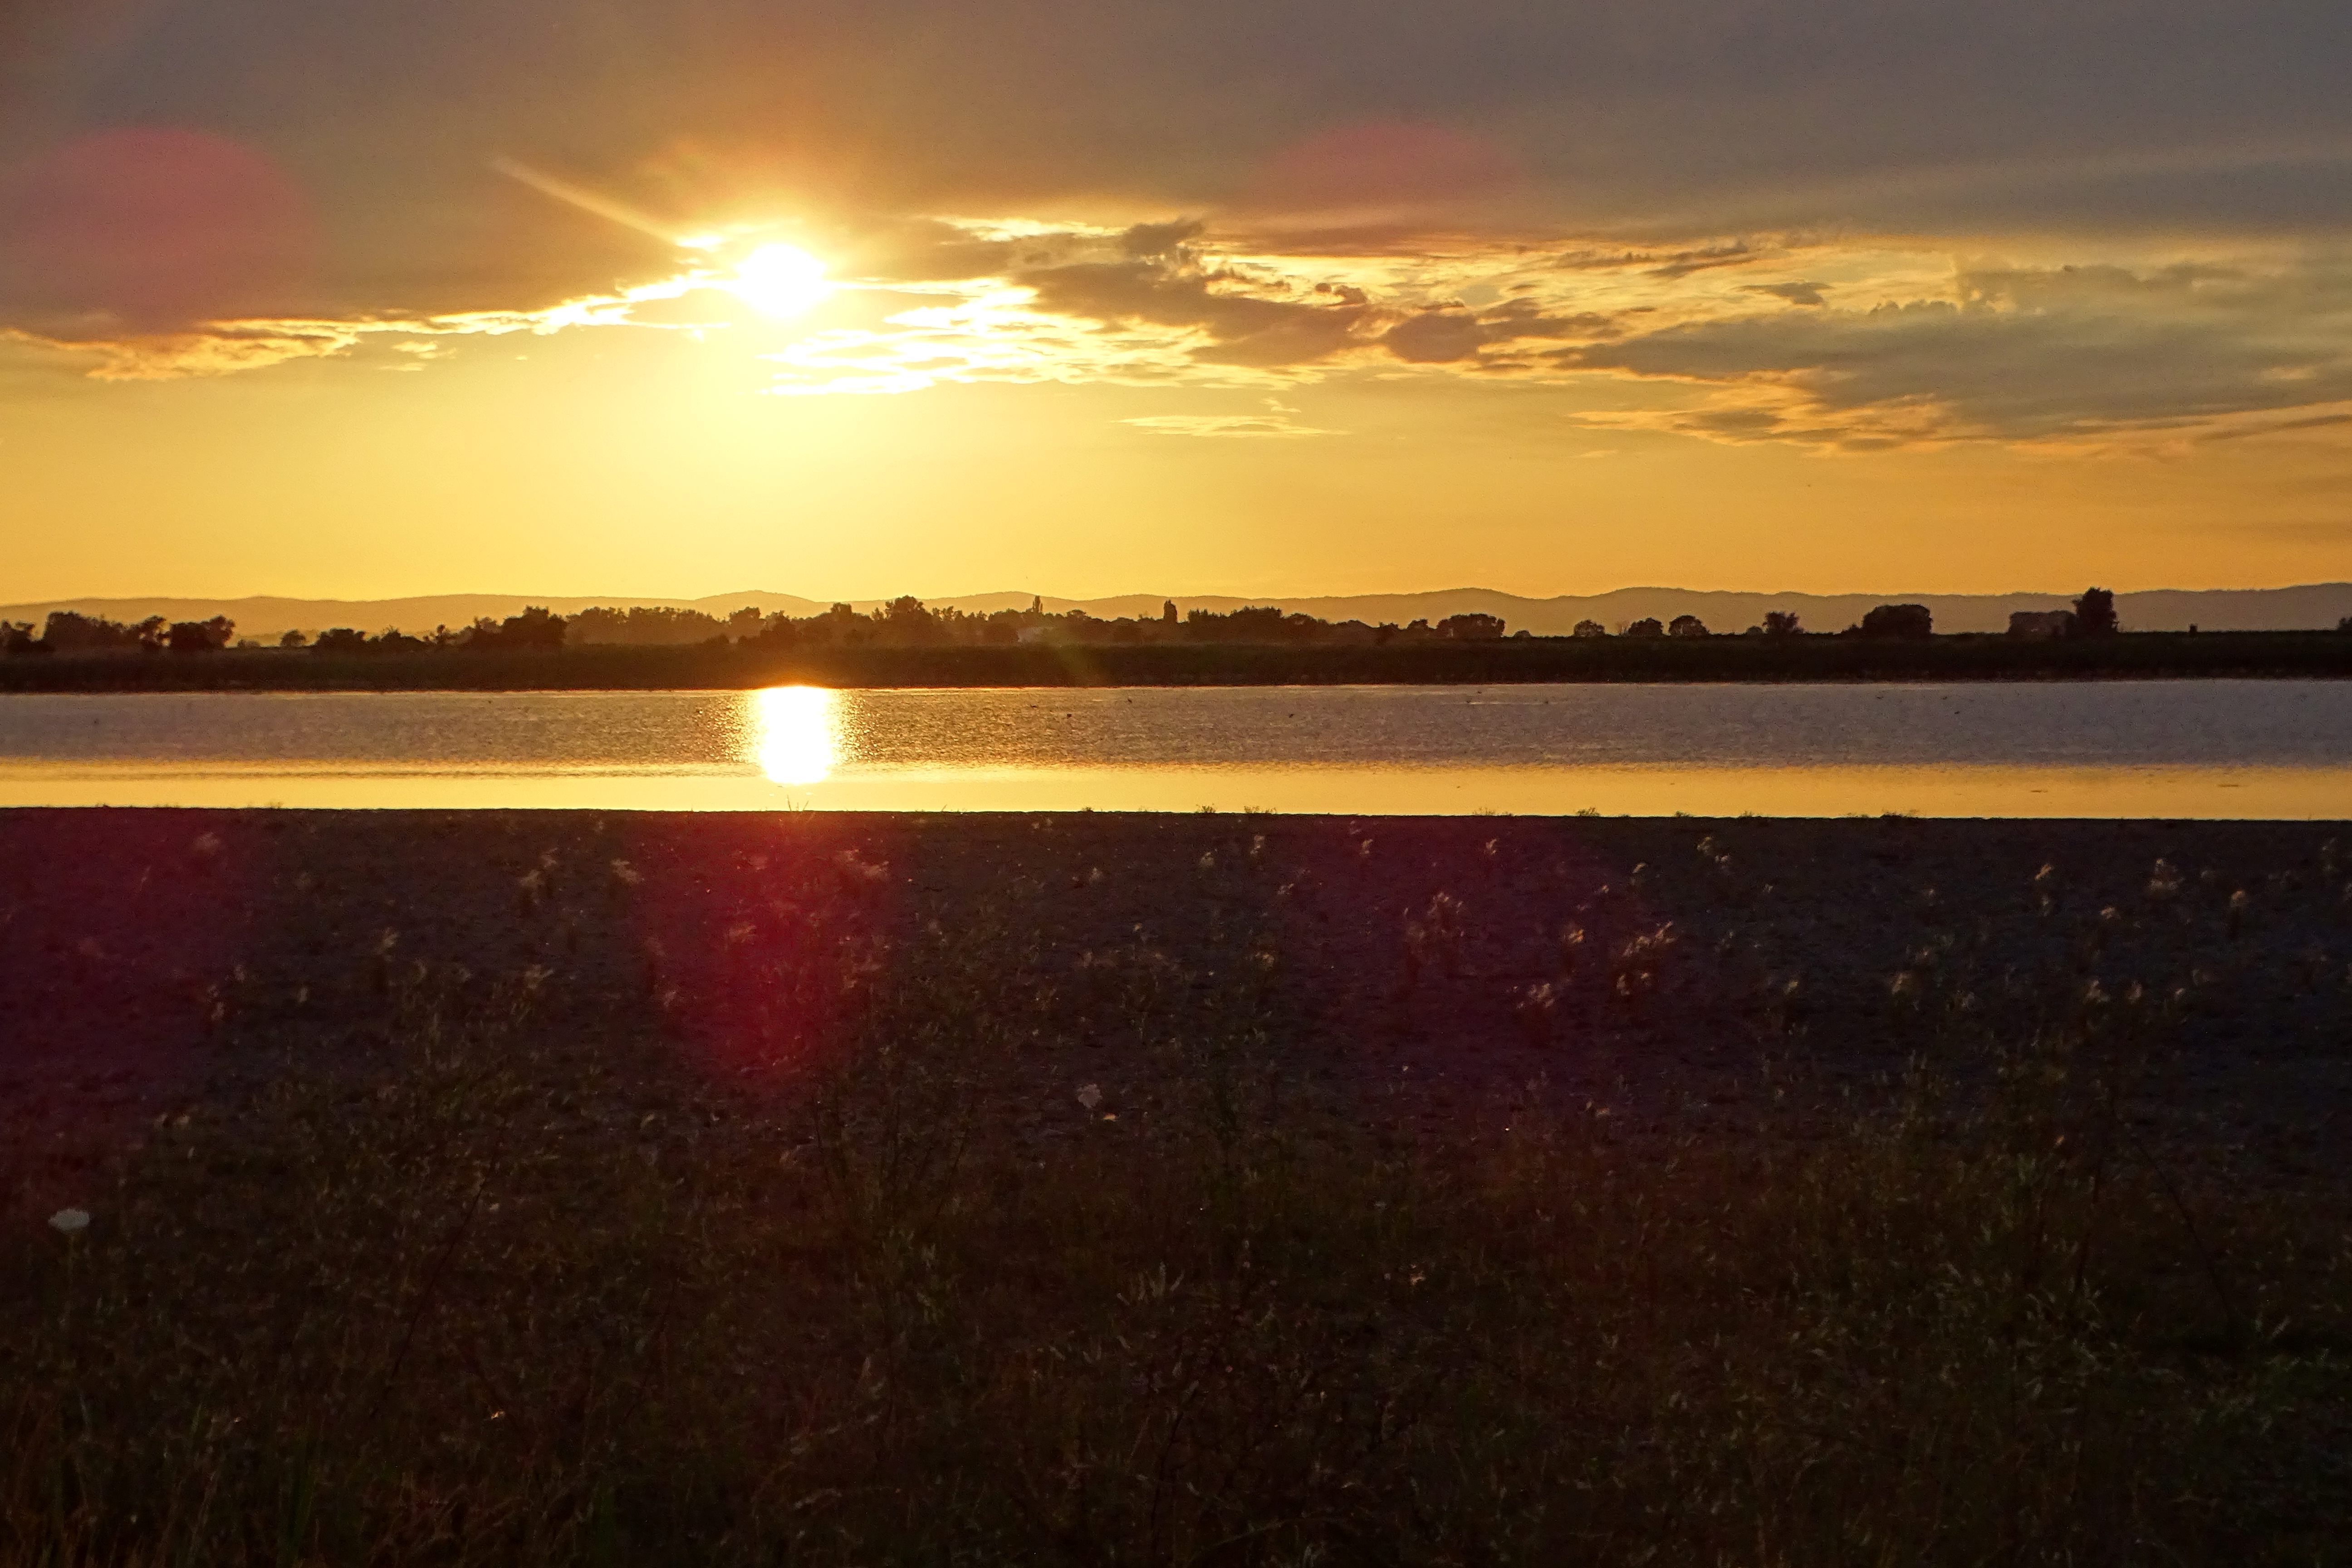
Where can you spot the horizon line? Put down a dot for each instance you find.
(621, 601)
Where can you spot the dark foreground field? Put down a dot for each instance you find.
(535, 1188)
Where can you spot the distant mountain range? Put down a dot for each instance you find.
(2314, 605)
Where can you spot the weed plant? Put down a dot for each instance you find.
(493, 1296)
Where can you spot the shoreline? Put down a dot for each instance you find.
(2144, 656)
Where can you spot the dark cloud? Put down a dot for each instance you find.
(2023, 354)
(1244, 328)
(1437, 337)
(1584, 114)
(142, 229)
(311, 173)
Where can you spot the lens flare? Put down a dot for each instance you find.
(780, 280)
(796, 733)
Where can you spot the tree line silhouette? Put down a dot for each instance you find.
(68, 631)
(908, 622)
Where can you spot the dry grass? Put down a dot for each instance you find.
(494, 1293)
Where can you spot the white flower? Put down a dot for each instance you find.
(1091, 1097)
(72, 1222)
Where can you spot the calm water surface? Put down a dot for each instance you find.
(2272, 749)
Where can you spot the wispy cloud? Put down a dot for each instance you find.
(1247, 427)
(1850, 344)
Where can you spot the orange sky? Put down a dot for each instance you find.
(1541, 298)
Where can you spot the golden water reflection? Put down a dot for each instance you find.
(796, 733)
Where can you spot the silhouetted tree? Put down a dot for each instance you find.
(1780, 623)
(1591, 630)
(1471, 627)
(1687, 627)
(535, 630)
(907, 621)
(69, 631)
(200, 637)
(1251, 623)
(292, 637)
(1899, 621)
(1647, 626)
(2095, 613)
(641, 626)
(342, 640)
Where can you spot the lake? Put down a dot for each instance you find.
(2275, 749)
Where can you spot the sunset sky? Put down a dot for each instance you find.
(862, 296)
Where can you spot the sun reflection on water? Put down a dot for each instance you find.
(795, 733)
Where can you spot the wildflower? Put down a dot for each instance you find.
(628, 876)
(1091, 1097)
(2164, 880)
(1207, 860)
(70, 1222)
(871, 870)
(1534, 1008)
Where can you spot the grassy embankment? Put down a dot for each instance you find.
(2140, 656)
(486, 1293)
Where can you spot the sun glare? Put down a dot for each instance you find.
(780, 280)
(795, 738)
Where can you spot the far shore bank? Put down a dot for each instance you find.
(2144, 656)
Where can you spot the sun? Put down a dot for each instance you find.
(780, 280)
(796, 733)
